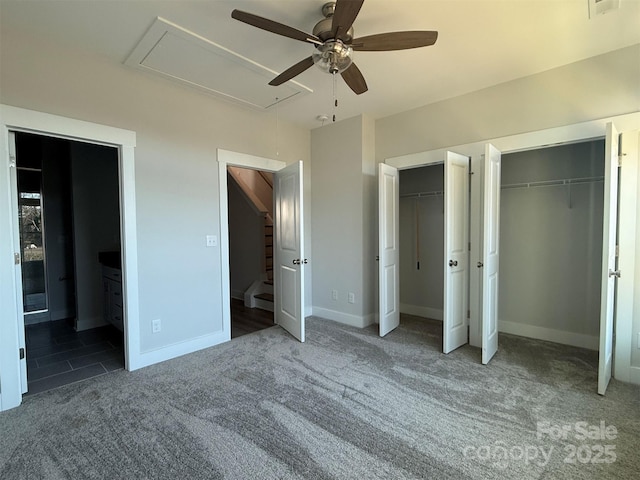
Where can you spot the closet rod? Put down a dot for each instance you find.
(422, 194)
(554, 183)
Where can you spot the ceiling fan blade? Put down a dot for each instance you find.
(353, 77)
(292, 71)
(344, 15)
(394, 41)
(274, 27)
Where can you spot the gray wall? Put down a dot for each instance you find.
(96, 224)
(421, 289)
(176, 174)
(246, 241)
(551, 239)
(343, 209)
(594, 88)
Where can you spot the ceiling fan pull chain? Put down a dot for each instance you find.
(277, 106)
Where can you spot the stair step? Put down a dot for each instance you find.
(264, 296)
(268, 282)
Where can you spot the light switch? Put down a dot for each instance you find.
(212, 241)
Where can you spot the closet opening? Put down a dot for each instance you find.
(421, 238)
(551, 230)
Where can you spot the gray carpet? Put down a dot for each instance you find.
(346, 404)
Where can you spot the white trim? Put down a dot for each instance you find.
(420, 311)
(129, 242)
(183, 348)
(226, 158)
(24, 120)
(581, 340)
(634, 375)
(249, 161)
(573, 133)
(524, 141)
(19, 119)
(345, 318)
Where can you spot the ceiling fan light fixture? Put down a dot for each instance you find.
(333, 56)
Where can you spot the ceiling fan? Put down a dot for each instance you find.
(334, 42)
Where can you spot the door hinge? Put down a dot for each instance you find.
(468, 313)
(12, 150)
(620, 159)
(16, 258)
(617, 250)
(469, 246)
(22, 353)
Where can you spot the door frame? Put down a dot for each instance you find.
(235, 159)
(23, 120)
(577, 132)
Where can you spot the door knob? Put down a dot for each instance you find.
(453, 263)
(296, 261)
(480, 264)
(304, 261)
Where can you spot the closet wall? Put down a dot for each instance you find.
(551, 243)
(422, 241)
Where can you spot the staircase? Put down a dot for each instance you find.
(258, 189)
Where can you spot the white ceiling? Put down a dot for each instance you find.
(481, 42)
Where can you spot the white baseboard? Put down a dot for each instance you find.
(89, 322)
(346, 318)
(144, 359)
(634, 375)
(542, 333)
(420, 311)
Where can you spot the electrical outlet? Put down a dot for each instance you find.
(334, 294)
(156, 326)
(212, 241)
(351, 297)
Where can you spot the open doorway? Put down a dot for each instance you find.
(551, 230)
(454, 269)
(69, 226)
(421, 224)
(250, 205)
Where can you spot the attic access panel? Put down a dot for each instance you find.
(181, 55)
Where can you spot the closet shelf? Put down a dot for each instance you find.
(554, 183)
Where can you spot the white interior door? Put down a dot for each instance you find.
(609, 273)
(456, 251)
(289, 258)
(490, 252)
(388, 248)
(13, 172)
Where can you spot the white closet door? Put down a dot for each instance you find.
(609, 273)
(388, 248)
(289, 254)
(456, 251)
(490, 252)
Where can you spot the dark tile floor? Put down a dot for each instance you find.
(58, 355)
